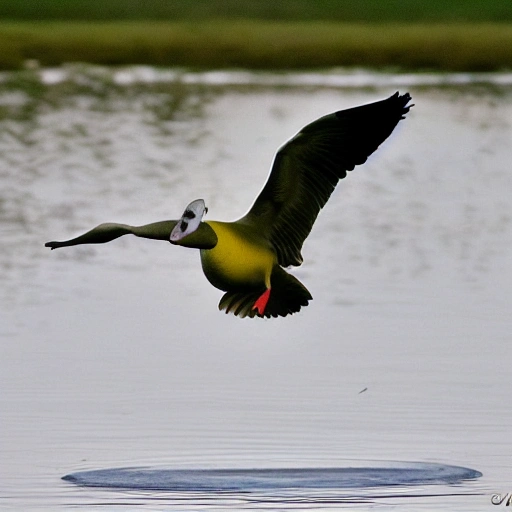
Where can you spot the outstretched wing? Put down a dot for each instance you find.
(110, 231)
(307, 169)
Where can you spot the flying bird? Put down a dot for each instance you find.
(247, 258)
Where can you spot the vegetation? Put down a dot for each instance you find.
(284, 10)
(288, 34)
(257, 44)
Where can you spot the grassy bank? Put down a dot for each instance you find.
(259, 44)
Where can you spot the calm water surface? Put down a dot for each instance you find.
(116, 356)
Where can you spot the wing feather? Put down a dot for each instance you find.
(307, 169)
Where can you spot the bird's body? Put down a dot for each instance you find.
(240, 259)
(246, 258)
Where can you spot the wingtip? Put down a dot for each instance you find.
(404, 99)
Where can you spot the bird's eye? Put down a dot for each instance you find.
(183, 226)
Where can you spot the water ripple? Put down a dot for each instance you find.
(391, 474)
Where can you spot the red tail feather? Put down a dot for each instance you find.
(261, 302)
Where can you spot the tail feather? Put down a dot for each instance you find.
(239, 303)
(287, 296)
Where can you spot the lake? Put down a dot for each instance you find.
(116, 356)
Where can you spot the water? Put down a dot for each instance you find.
(115, 356)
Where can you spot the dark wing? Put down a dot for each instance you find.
(110, 231)
(307, 169)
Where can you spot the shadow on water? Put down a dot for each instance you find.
(307, 485)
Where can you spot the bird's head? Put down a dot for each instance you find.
(190, 231)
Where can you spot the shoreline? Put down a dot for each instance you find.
(334, 78)
(260, 45)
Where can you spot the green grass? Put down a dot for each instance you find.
(259, 44)
(284, 10)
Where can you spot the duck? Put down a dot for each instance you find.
(248, 258)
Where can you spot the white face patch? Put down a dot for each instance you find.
(189, 221)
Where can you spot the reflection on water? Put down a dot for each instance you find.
(116, 356)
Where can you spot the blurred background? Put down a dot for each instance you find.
(115, 355)
(448, 35)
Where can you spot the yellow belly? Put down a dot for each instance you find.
(237, 260)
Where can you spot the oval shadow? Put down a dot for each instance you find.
(379, 475)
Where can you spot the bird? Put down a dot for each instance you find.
(247, 258)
